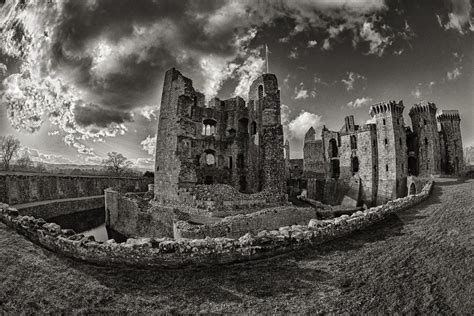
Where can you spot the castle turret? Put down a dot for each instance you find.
(392, 150)
(452, 160)
(427, 149)
(264, 96)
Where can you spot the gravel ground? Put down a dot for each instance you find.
(420, 261)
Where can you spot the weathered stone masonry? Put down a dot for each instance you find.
(227, 142)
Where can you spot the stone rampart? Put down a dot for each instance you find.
(19, 188)
(169, 253)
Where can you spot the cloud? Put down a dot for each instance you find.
(357, 103)
(293, 53)
(150, 112)
(417, 92)
(299, 126)
(377, 42)
(149, 145)
(352, 77)
(300, 92)
(460, 18)
(3, 69)
(93, 114)
(42, 157)
(454, 74)
(312, 43)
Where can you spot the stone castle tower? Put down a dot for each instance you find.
(392, 150)
(427, 148)
(450, 141)
(226, 142)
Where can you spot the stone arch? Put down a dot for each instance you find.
(412, 189)
(210, 157)
(332, 150)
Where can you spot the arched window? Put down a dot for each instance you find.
(386, 168)
(355, 165)
(260, 91)
(210, 159)
(253, 128)
(332, 148)
(386, 141)
(383, 121)
(353, 142)
(426, 141)
(209, 127)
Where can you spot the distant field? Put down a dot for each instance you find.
(421, 261)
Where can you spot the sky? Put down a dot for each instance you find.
(79, 79)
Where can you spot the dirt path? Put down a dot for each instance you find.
(420, 261)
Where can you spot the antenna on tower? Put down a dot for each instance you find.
(266, 55)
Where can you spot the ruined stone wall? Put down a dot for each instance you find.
(451, 134)
(314, 164)
(18, 188)
(391, 149)
(125, 216)
(295, 168)
(54, 208)
(239, 225)
(427, 149)
(167, 253)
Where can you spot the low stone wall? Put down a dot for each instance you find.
(126, 216)
(49, 209)
(19, 188)
(238, 225)
(168, 253)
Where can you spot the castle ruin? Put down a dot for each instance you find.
(370, 164)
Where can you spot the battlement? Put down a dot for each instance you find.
(384, 107)
(421, 107)
(448, 115)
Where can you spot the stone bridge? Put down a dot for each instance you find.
(51, 195)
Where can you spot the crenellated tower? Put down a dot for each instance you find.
(427, 148)
(264, 98)
(392, 150)
(451, 142)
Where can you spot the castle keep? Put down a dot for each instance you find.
(228, 142)
(373, 163)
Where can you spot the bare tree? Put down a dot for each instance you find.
(24, 162)
(9, 149)
(116, 163)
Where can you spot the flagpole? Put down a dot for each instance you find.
(266, 55)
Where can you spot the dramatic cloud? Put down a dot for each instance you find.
(299, 126)
(351, 79)
(357, 103)
(377, 42)
(460, 18)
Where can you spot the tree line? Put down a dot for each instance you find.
(11, 159)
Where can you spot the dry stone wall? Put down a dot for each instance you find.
(169, 253)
